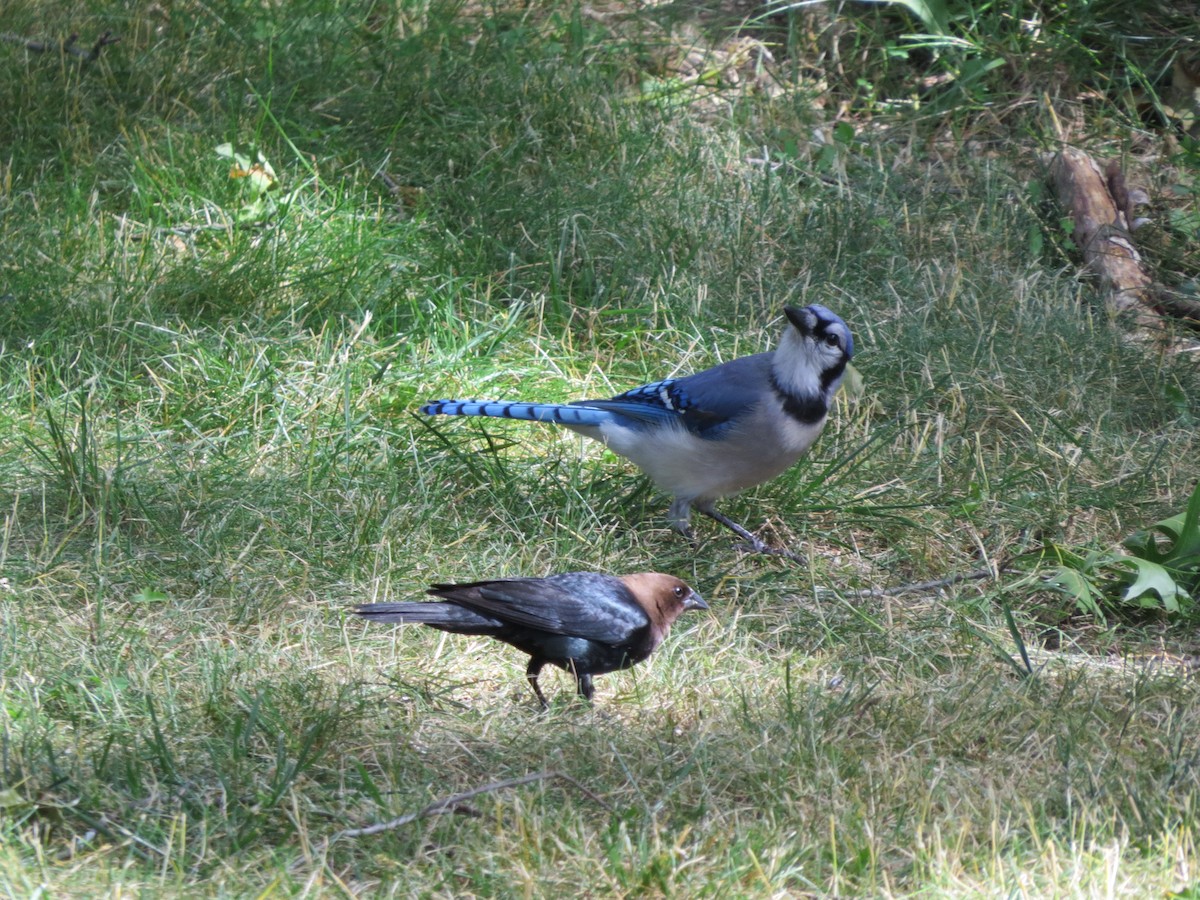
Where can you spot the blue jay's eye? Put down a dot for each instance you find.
(831, 340)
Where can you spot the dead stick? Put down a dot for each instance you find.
(68, 46)
(447, 804)
(923, 586)
(933, 585)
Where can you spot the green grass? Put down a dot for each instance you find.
(210, 453)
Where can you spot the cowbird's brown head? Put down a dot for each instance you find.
(664, 598)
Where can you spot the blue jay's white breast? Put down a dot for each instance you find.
(756, 449)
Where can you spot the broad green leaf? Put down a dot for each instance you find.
(1064, 556)
(1189, 537)
(932, 13)
(853, 385)
(1150, 578)
(1078, 588)
(1145, 543)
(1181, 530)
(226, 150)
(10, 800)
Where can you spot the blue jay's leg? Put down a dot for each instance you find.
(680, 515)
(744, 533)
(755, 544)
(586, 689)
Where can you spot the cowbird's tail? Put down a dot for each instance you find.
(446, 616)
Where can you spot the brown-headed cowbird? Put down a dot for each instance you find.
(584, 622)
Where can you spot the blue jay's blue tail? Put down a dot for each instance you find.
(558, 413)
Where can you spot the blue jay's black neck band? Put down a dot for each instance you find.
(807, 410)
(829, 376)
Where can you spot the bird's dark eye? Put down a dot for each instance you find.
(678, 590)
(831, 340)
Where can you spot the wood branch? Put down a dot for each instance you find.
(68, 47)
(916, 587)
(1103, 234)
(1104, 211)
(925, 587)
(1179, 306)
(457, 803)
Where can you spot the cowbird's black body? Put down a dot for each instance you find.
(585, 622)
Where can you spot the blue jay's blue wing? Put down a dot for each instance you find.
(705, 403)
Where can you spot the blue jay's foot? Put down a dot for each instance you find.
(755, 544)
(777, 551)
(680, 517)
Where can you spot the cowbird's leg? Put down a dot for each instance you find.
(584, 683)
(531, 672)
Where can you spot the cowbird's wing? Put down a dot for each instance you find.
(580, 604)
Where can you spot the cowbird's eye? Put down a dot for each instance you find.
(679, 591)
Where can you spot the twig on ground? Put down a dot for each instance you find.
(147, 231)
(456, 803)
(933, 585)
(923, 586)
(139, 846)
(69, 46)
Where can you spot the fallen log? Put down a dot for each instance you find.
(1103, 210)
(1103, 234)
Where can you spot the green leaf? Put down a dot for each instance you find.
(1182, 531)
(1018, 640)
(1184, 220)
(1036, 241)
(147, 595)
(11, 800)
(1078, 588)
(226, 150)
(932, 13)
(1150, 578)
(1189, 536)
(853, 384)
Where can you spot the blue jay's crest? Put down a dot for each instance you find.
(712, 434)
(824, 325)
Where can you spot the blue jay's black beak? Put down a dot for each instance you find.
(796, 317)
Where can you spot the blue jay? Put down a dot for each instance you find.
(717, 432)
